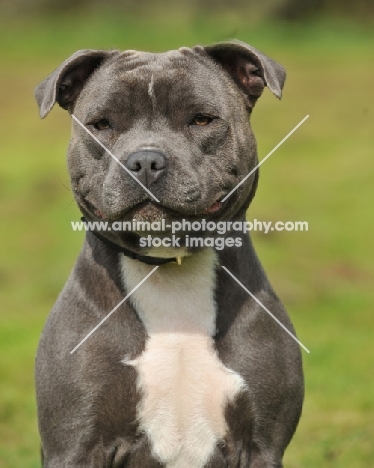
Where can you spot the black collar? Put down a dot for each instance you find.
(129, 253)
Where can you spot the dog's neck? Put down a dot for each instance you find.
(147, 259)
(180, 297)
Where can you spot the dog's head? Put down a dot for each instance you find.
(177, 121)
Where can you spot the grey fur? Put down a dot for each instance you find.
(87, 401)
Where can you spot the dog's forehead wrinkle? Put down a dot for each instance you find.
(185, 77)
(177, 65)
(164, 61)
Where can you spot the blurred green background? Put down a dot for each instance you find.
(323, 174)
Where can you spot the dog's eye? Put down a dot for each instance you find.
(102, 124)
(201, 119)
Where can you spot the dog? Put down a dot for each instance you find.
(189, 371)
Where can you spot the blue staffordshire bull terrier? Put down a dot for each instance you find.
(189, 372)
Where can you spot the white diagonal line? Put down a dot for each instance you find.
(115, 158)
(265, 309)
(113, 310)
(263, 160)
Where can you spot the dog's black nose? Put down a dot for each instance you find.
(146, 165)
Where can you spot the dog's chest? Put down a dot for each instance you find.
(184, 386)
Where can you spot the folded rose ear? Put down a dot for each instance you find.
(250, 69)
(66, 82)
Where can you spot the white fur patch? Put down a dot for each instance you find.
(185, 386)
(151, 92)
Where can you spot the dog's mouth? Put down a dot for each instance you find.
(149, 210)
(148, 220)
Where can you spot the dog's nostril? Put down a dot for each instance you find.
(137, 167)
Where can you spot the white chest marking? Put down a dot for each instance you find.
(185, 386)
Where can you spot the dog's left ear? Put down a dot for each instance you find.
(250, 68)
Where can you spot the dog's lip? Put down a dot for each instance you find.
(86, 205)
(217, 205)
(214, 209)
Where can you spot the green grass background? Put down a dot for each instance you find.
(323, 174)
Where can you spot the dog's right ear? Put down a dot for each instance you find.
(66, 82)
